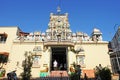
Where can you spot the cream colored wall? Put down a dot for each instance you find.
(17, 55)
(17, 50)
(7, 46)
(71, 58)
(11, 32)
(96, 54)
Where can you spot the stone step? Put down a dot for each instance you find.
(58, 74)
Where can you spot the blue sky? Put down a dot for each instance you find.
(84, 15)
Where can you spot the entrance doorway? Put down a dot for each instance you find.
(59, 54)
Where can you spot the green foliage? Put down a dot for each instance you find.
(27, 64)
(73, 76)
(76, 51)
(73, 50)
(103, 72)
(2, 72)
(76, 75)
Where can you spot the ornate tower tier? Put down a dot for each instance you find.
(58, 27)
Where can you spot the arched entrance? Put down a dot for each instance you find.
(60, 55)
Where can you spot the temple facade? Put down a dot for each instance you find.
(58, 43)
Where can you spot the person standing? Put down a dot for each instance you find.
(55, 64)
(78, 71)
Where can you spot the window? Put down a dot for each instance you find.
(80, 60)
(36, 61)
(3, 37)
(3, 58)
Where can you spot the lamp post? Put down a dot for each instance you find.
(61, 75)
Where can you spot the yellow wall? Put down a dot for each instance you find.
(96, 54)
(11, 32)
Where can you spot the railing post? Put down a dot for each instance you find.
(61, 76)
